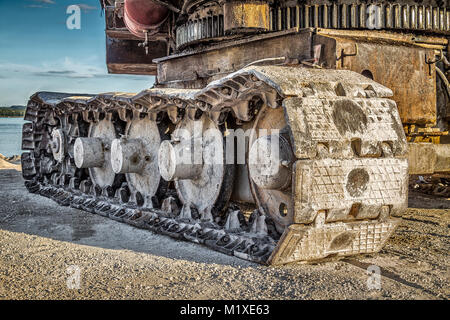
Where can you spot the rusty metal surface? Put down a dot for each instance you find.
(125, 56)
(246, 16)
(398, 15)
(214, 63)
(399, 66)
(132, 68)
(143, 16)
(411, 79)
(428, 158)
(388, 36)
(205, 23)
(116, 28)
(231, 21)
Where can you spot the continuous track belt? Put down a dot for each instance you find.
(308, 97)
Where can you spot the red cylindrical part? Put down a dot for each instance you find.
(142, 15)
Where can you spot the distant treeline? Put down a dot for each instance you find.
(9, 112)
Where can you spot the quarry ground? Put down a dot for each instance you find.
(40, 243)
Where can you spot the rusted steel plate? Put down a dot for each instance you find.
(402, 68)
(213, 63)
(246, 15)
(126, 57)
(437, 159)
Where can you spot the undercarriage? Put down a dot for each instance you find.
(276, 131)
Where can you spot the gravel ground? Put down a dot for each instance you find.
(39, 241)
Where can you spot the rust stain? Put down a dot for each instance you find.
(400, 68)
(244, 15)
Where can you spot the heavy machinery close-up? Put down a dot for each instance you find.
(356, 93)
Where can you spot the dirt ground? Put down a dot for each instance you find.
(40, 243)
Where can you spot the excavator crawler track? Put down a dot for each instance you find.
(437, 184)
(346, 162)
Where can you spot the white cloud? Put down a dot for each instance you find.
(75, 68)
(85, 7)
(45, 1)
(42, 4)
(89, 75)
(67, 67)
(14, 67)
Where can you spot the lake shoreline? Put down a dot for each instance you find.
(12, 113)
(18, 117)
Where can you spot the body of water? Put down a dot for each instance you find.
(11, 136)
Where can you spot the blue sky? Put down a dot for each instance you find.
(39, 53)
